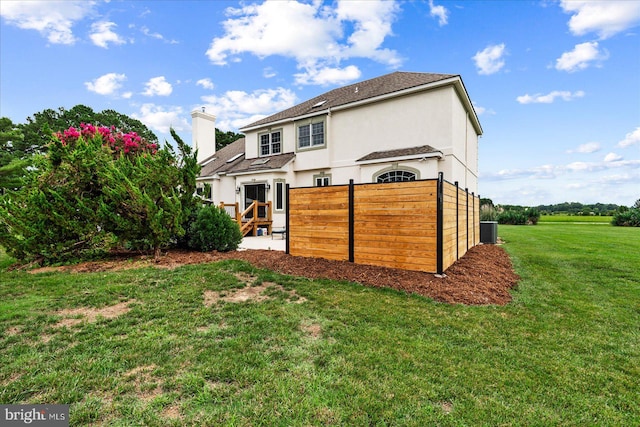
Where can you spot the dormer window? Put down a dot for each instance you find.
(270, 142)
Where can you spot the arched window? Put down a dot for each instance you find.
(398, 175)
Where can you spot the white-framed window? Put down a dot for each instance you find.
(397, 175)
(270, 142)
(311, 135)
(279, 194)
(322, 180)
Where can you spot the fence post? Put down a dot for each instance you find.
(466, 190)
(287, 229)
(457, 222)
(440, 224)
(351, 222)
(473, 197)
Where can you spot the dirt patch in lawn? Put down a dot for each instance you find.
(484, 275)
(75, 316)
(250, 293)
(313, 330)
(11, 331)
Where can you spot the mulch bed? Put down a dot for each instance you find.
(484, 275)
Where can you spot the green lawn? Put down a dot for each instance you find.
(575, 218)
(564, 352)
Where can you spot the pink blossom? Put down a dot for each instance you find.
(130, 143)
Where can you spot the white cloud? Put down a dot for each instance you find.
(237, 108)
(550, 97)
(589, 147)
(630, 139)
(162, 118)
(482, 110)
(577, 186)
(580, 57)
(107, 84)
(491, 59)
(371, 21)
(440, 12)
(102, 34)
(269, 72)
(53, 19)
(617, 179)
(147, 32)
(317, 36)
(553, 171)
(327, 76)
(612, 157)
(205, 83)
(604, 17)
(158, 86)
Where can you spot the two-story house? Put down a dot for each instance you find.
(398, 127)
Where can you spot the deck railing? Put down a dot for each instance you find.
(250, 219)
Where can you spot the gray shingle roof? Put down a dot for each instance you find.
(399, 152)
(221, 164)
(378, 86)
(262, 163)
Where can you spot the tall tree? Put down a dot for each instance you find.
(38, 129)
(225, 138)
(12, 162)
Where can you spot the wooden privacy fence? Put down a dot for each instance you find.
(417, 225)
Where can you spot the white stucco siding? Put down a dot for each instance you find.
(472, 149)
(203, 134)
(460, 128)
(409, 121)
(424, 169)
(226, 190)
(316, 158)
(461, 162)
(455, 170)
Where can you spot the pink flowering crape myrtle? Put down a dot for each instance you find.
(120, 143)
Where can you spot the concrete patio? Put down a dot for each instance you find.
(263, 242)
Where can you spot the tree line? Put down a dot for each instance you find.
(575, 208)
(518, 215)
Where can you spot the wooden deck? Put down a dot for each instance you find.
(250, 220)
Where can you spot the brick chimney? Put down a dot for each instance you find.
(203, 134)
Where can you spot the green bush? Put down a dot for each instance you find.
(627, 218)
(533, 215)
(512, 217)
(487, 213)
(212, 230)
(519, 216)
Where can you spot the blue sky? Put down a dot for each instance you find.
(556, 84)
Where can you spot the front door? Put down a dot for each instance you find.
(255, 192)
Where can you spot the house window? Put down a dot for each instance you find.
(271, 143)
(311, 135)
(279, 195)
(396, 176)
(322, 180)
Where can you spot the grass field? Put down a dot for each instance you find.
(574, 218)
(564, 352)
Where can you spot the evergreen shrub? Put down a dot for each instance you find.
(214, 230)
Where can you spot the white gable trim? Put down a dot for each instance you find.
(437, 154)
